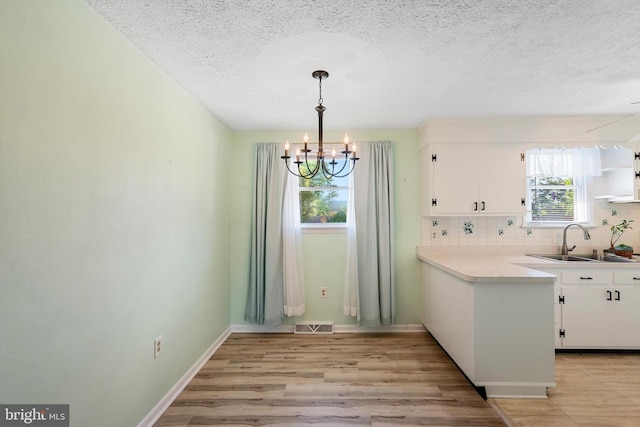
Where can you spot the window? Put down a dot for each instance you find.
(323, 200)
(557, 184)
(555, 199)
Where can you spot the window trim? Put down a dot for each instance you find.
(322, 227)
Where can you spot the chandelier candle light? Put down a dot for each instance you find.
(307, 169)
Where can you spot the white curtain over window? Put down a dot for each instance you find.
(292, 254)
(563, 162)
(351, 280)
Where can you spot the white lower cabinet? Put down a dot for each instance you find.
(626, 308)
(557, 314)
(598, 308)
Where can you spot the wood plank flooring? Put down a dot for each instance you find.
(592, 389)
(330, 380)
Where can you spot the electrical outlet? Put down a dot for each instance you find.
(434, 235)
(323, 292)
(157, 347)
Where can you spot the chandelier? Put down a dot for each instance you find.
(328, 166)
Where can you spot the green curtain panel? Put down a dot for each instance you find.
(265, 299)
(370, 281)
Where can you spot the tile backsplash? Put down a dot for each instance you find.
(509, 231)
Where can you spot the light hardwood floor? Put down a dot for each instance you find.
(592, 389)
(330, 380)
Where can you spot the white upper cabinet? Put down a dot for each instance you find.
(477, 179)
(620, 180)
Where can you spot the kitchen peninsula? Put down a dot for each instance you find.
(493, 317)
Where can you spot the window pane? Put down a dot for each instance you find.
(548, 180)
(323, 206)
(552, 204)
(320, 181)
(552, 199)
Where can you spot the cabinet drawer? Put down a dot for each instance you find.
(587, 277)
(626, 277)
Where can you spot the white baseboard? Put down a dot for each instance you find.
(355, 329)
(288, 329)
(262, 329)
(168, 398)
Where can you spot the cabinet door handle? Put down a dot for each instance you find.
(483, 206)
(608, 295)
(587, 278)
(636, 278)
(475, 206)
(617, 295)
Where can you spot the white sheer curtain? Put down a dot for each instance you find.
(292, 244)
(351, 280)
(562, 162)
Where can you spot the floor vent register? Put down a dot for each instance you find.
(313, 328)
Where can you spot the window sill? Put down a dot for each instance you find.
(557, 225)
(323, 229)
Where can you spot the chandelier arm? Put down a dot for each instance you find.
(300, 174)
(290, 171)
(325, 171)
(311, 172)
(334, 162)
(351, 168)
(340, 173)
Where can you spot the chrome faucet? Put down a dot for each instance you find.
(565, 249)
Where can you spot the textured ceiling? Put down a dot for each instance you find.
(394, 63)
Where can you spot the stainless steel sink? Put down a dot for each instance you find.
(583, 258)
(554, 257)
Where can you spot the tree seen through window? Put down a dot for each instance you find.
(552, 199)
(323, 200)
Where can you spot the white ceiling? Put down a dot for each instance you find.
(393, 63)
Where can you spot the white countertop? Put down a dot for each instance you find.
(503, 268)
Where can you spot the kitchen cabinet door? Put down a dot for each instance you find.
(503, 182)
(626, 301)
(455, 182)
(557, 314)
(475, 180)
(626, 319)
(586, 316)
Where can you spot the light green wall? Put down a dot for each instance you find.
(113, 218)
(119, 222)
(324, 254)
